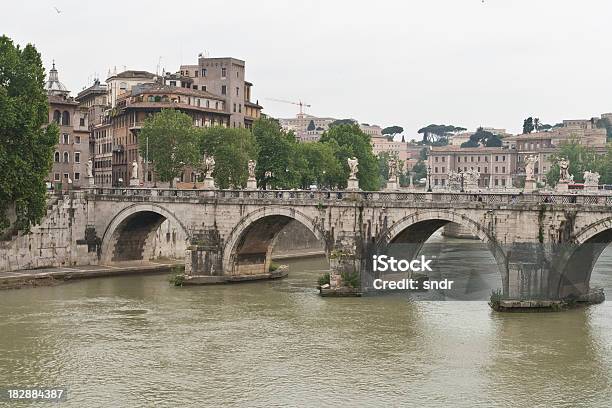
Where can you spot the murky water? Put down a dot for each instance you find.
(138, 342)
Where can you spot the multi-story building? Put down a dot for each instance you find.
(496, 165)
(72, 151)
(225, 77)
(121, 83)
(127, 118)
(460, 138)
(546, 145)
(95, 100)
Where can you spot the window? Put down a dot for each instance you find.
(503, 158)
(472, 159)
(436, 159)
(65, 138)
(459, 159)
(503, 169)
(496, 158)
(436, 170)
(204, 88)
(496, 182)
(77, 139)
(77, 157)
(66, 175)
(195, 87)
(57, 177)
(65, 118)
(443, 159)
(57, 117)
(504, 182)
(77, 176)
(443, 169)
(172, 83)
(223, 90)
(239, 108)
(57, 157)
(66, 159)
(223, 72)
(195, 73)
(203, 72)
(496, 169)
(237, 91)
(82, 122)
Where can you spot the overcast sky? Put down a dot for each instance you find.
(410, 63)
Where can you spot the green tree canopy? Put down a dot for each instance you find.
(352, 142)
(528, 125)
(437, 135)
(342, 122)
(319, 165)
(172, 143)
(392, 130)
(232, 149)
(581, 159)
(26, 142)
(277, 154)
(483, 138)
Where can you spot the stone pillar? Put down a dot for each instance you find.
(251, 184)
(353, 184)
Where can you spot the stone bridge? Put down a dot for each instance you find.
(545, 245)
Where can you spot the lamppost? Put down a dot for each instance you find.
(429, 178)
(462, 189)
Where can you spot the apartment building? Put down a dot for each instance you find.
(69, 168)
(225, 77)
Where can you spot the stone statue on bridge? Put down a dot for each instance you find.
(393, 182)
(471, 178)
(353, 183)
(454, 181)
(564, 177)
(89, 168)
(591, 181)
(134, 182)
(209, 166)
(251, 181)
(530, 162)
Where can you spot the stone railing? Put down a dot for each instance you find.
(335, 196)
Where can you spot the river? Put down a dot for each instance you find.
(138, 342)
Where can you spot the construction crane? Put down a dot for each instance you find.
(299, 103)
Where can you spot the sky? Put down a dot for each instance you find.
(409, 63)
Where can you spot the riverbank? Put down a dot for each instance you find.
(54, 276)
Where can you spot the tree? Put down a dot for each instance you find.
(352, 142)
(581, 159)
(173, 143)
(483, 138)
(27, 141)
(319, 165)
(392, 130)
(419, 170)
(276, 155)
(383, 166)
(342, 122)
(528, 125)
(311, 126)
(438, 135)
(232, 149)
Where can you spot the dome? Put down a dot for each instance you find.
(53, 85)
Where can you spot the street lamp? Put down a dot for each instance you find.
(429, 178)
(462, 189)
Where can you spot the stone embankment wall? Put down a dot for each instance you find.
(54, 241)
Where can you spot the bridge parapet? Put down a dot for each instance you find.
(411, 198)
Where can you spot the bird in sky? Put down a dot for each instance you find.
(57, 10)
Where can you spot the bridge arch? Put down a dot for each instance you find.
(417, 227)
(579, 257)
(248, 248)
(131, 234)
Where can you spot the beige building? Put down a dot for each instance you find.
(121, 83)
(95, 100)
(225, 77)
(460, 138)
(72, 150)
(496, 165)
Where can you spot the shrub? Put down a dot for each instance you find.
(324, 279)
